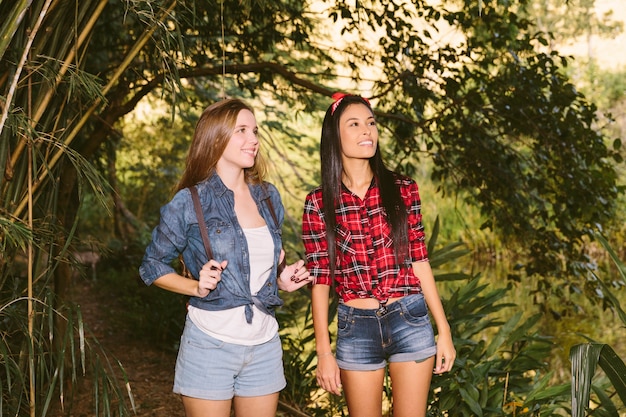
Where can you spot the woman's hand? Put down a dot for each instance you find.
(446, 354)
(210, 275)
(294, 276)
(328, 376)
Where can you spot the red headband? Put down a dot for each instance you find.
(338, 97)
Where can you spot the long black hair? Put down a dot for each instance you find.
(332, 170)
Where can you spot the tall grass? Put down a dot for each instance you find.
(44, 372)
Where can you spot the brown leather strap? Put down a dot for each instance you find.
(203, 230)
(271, 207)
(201, 224)
(282, 265)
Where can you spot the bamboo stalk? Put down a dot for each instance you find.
(86, 115)
(31, 361)
(20, 66)
(41, 108)
(12, 23)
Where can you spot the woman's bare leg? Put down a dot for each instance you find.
(196, 407)
(264, 406)
(410, 383)
(364, 392)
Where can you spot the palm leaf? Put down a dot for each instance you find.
(585, 358)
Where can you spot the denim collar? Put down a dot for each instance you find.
(218, 188)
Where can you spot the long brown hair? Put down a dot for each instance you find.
(213, 131)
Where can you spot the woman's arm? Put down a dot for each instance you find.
(316, 249)
(446, 354)
(210, 275)
(328, 376)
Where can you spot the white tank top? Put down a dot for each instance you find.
(230, 325)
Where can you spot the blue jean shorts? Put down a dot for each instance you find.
(210, 369)
(366, 341)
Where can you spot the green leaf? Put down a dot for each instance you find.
(620, 265)
(585, 358)
(615, 369)
(470, 396)
(504, 333)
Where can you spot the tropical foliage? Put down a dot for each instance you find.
(491, 110)
(586, 357)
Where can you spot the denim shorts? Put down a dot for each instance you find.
(210, 369)
(366, 341)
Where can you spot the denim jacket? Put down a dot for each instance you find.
(178, 233)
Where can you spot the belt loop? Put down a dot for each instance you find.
(382, 308)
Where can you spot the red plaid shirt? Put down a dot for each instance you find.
(366, 265)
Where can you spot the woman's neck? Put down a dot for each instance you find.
(233, 180)
(357, 178)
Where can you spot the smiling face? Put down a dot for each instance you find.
(243, 146)
(358, 133)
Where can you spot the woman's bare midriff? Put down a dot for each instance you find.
(368, 303)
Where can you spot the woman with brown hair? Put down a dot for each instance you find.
(230, 353)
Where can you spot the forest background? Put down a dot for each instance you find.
(516, 147)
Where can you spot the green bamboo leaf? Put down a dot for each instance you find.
(15, 234)
(448, 400)
(129, 391)
(50, 392)
(9, 364)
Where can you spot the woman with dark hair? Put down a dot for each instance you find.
(230, 353)
(363, 235)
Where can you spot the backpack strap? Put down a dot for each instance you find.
(203, 230)
(201, 224)
(271, 207)
(282, 265)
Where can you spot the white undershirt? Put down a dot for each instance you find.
(230, 325)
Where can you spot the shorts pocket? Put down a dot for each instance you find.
(345, 322)
(414, 311)
(193, 336)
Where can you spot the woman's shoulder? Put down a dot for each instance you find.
(316, 190)
(181, 198)
(315, 193)
(264, 190)
(178, 208)
(268, 187)
(403, 180)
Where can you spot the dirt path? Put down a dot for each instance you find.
(150, 370)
